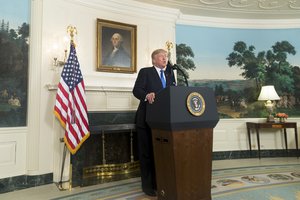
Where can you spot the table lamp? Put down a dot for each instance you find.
(268, 94)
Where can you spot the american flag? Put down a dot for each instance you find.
(70, 106)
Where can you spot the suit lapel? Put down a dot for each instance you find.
(156, 78)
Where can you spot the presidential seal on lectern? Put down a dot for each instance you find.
(195, 104)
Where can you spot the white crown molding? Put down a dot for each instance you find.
(239, 9)
(131, 8)
(217, 13)
(238, 23)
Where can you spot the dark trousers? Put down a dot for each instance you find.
(146, 158)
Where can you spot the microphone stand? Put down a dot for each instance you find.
(176, 67)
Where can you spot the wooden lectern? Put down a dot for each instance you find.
(182, 121)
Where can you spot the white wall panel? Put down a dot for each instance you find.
(12, 151)
(232, 135)
(8, 153)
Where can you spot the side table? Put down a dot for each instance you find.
(283, 125)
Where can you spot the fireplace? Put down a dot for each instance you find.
(110, 153)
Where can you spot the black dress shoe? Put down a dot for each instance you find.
(151, 193)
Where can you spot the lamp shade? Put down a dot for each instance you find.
(268, 92)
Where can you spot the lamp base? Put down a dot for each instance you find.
(270, 119)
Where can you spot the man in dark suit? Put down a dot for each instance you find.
(149, 82)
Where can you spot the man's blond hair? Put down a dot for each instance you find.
(157, 51)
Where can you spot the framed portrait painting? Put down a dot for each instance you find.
(116, 47)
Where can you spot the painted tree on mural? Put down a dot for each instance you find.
(296, 74)
(279, 70)
(184, 55)
(13, 74)
(269, 68)
(266, 68)
(244, 58)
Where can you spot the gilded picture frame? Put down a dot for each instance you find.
(116, 47)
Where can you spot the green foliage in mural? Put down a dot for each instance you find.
(13, 75)
(184, 55)
(268, 68)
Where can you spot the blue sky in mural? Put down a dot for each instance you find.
(211, 46)
(14, 12)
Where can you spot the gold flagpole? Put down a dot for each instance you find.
(169, 46)
(72, 31)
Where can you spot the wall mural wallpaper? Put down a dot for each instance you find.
(14, 38)
(235, 63)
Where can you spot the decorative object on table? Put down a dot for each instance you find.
(268, 94)
(282, 116)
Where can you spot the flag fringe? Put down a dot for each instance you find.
(73, 151)
(63, 124)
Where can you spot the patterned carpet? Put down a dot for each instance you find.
(281, 182)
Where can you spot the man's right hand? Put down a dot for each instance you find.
(150, 97)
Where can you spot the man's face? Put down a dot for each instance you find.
(161, 60)
(115, 40)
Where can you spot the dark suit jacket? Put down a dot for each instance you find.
(119, 58)
(149, 81)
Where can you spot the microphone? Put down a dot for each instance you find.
(172, 66)
(176, 67)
